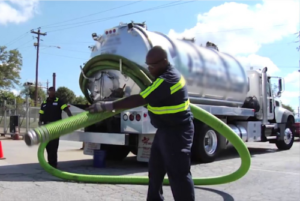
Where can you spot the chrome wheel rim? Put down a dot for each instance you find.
(210, 142)
(288, 136)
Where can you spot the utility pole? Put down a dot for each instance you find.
(47, 86)
(54, 81)
(37, 62)
(299, 75)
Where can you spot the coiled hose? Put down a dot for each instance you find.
(44, 134)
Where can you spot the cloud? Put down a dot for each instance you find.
(17, 11)
(290, 94)
(292, 79)
(258, 62)
(290, 98)
(240, 29)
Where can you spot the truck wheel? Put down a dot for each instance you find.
(205, 147)
(115, 152)
(288, 140)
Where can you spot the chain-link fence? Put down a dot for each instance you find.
(16, 115)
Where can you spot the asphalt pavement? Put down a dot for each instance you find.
(274, 176)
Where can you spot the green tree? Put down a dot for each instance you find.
(288, 107)
(65, 94)
(79, 100)
(9, 96)
(10, 67)
(20, 102)
(31, 92)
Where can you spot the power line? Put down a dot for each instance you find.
(73, 42)
(16, 39)
(97, 20)
(92, 14)
(38, 33)
(64, 56)
(62, 48)
(22, 45)
(49, 25)
(126, 14)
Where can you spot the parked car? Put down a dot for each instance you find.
(297, 127)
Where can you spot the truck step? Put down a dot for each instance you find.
(270, 125)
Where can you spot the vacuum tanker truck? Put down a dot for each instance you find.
(216, 82)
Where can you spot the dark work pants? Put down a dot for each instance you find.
(52, 149)
(170, 153)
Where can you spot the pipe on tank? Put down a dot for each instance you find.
(264, 96)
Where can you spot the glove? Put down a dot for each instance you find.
(100, 107)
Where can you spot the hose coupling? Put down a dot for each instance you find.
(31, 138)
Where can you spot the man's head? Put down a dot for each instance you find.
(51, 92)
(157, 61)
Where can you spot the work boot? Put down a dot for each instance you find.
(53, 165)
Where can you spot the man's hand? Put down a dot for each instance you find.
(68, 112)
(100, 107)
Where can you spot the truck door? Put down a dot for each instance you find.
(271, 107)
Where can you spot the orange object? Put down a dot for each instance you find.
(16, 134)
(1, 152)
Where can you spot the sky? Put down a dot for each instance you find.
(258, 33)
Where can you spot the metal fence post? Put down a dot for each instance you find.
(27, 114)
(15, 104)
(4, 129)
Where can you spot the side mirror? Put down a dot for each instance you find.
(279, 94)
(279, 85)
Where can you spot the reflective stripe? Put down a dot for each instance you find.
(45, 101)
(151, 88)
(179, 85)
(169, 109)
(41, 112)
(63, 106)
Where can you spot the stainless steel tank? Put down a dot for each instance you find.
(212, 77)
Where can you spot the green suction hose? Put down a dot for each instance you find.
(53, 130)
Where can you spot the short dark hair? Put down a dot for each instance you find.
(51, 89)
(159, 50)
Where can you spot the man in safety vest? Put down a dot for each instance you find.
(51, 110)
(168, 105)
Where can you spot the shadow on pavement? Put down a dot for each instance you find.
(231, 153)
(34, 172)
(225, 196)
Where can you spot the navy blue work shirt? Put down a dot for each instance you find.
(168, 101)
(51, 109)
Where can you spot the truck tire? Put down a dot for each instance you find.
(115, 152)
(288, 141)
(205, 147)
